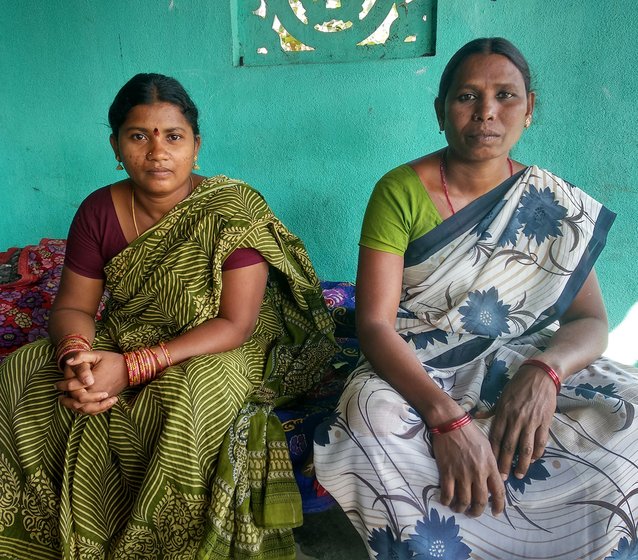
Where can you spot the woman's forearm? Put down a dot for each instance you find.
(394, 360)
(379, 281)
(240, 303)
(575, 345)
(75, 306)
(70, 321)
(582, 336)
(214, 336)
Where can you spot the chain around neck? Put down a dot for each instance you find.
(444, 179)
(137, 231)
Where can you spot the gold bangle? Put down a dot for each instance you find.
(166, 353)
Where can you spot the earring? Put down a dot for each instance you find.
(528, 121)
(119, 164)
(195, 166)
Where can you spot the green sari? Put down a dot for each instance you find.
(194, 464)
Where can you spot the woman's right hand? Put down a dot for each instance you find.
(468, 471)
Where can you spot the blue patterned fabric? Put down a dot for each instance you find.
(481, 293)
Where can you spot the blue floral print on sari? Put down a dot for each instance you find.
(382, 541)
(484, 224)
(625, 551)
(437, 538)
(494, 382)
(540, 214)
(485, 314)
(421, 340)
(536, 471)
(510, 233)
(589, 392)
(322, 431)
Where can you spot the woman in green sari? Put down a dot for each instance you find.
(149, 433)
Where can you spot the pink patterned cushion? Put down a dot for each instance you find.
(25, 300)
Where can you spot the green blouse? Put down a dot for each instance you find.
(399, 211)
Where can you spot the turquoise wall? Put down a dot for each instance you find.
(312, 138)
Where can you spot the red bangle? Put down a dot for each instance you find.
(454, 425)
(164, 349)
(70, 343)
(547, 369)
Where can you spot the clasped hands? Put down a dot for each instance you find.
(472, 468)
(92, 381)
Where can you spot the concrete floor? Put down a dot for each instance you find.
(329, 536)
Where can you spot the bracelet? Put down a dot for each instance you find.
(157, 359)
(169, 360)
(451, 426)
(70, 343)
(547, 369)
(142, 366)
(132, 367)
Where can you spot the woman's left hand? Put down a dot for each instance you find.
(522, 419)
(110, 377)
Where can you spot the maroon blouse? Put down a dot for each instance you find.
(96, 236)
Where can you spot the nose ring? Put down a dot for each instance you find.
(148, 156)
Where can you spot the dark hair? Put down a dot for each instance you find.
(484, 45)
(144, 89)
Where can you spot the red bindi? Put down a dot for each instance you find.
(156, 132)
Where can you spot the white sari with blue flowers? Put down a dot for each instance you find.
(481, 293)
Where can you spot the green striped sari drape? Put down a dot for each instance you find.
(194, 464)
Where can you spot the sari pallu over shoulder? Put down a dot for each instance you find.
(221, 215)
(506, 265)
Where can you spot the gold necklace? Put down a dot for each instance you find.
(137, 231)
(444, 182)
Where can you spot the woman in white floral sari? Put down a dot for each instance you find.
(482, 422)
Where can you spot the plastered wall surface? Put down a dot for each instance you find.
(313, 138)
